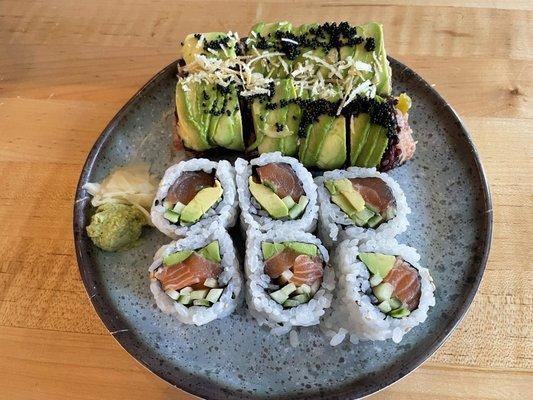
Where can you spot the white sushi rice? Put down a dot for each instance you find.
(230, 278)
(261, 306)
(333, 223)
(252, 216)
(224, 212)
(352, 312)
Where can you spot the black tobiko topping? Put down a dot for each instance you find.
(279, 127)
(370, 44)
(217, 43)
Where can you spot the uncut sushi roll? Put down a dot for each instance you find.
(194, 196)
(197, 279)
(288, 279)
(383, 292)
(360, 203)
(276, 191)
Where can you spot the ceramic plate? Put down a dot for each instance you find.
(233, 358)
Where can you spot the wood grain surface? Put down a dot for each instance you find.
(66, 67)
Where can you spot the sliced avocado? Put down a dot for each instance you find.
(333, 151)
(289, 202)
(271, 249)
(176, 258)
(225, 129)
(373, 149)
(345, 187)
(383, 291)
(299, 208)
(201, 302)
(377, 263)
(199, 294)
(202, 202)
(171, 216)
(323, 50)
(206, 44)
(276, 127)
(379, 149)
(211, 252)
(400, 313)
(279, 296)
(330, 185)
(359, 129)
(303, 248)
(214, 295)
(265, 34)
(343, 203)
(269, 200)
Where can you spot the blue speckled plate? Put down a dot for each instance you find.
(233, 358)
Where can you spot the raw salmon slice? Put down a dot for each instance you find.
(187, 185)
(280, 262)
(282, 178)
(406, 283)
(193, 271)
(374, 191)
(306, 270)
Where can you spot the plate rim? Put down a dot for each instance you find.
(118, 328)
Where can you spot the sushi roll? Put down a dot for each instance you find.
(383, 292)
(359, 203)
(195, 195)
(288, 279)
(276, 191)
(197, 279)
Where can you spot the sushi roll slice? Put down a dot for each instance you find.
(383, 292)
(197, 279)
(276, 191)
(288, 279)
(359, 203)
(195, 195)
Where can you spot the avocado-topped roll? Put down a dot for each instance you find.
(275, 120)
(276, 191)
(323, 132)
(358, 203)
(195, 195)
(197, 279)
(207, 101)
(380, 135)
(382, 293)
(289, 280)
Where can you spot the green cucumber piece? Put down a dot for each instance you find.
(168, 205)
(178, 208)
(289, 202)
(375, 280)
(176, 258)
(363, 215)
(383, 291)
(279, 296)
(395, 303)
(372, 208)
(374, 221)
(298, 209)
(214, 295)
(199, 294)
(384, 307)
(291, 303)
(173, 294)
(201, 302)
(304, 289)
(390, 213)
(288, 289)
(184, 299)
(211, 283)
(186, 290)
(400, 313)
(171, 216)
(301, 298)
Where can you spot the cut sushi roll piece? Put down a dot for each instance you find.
(275, 120)
(383, 292)
(195, 195)
(276, 191)
(360, 203)
(289, 281)
(380, 135)
(197, 279)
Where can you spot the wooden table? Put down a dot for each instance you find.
(67, 67)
